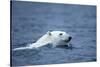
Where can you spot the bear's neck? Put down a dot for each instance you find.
(46, 39)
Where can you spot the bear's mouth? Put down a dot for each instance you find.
(66, 40)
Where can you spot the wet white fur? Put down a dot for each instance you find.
(49, 38)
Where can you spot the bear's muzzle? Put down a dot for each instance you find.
(69, 38)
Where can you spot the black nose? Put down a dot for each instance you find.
(70, 38)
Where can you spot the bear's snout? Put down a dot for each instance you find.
(69, 38)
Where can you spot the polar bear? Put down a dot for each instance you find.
(51, 37)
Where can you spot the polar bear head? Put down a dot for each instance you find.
(57, 36)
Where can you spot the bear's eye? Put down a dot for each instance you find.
(60, 34)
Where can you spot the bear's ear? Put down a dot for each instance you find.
(49, 33)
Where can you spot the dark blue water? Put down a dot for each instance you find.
(31, 20)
